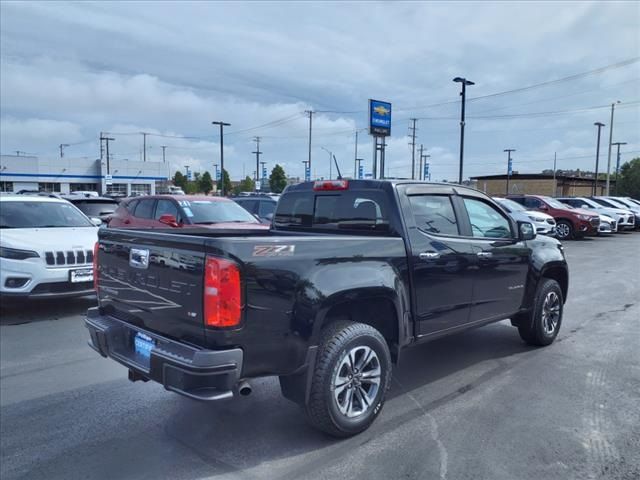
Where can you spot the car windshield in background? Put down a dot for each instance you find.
(41, 215)
(555, 203)
(511, 205)
(208, 212)
(95, 209)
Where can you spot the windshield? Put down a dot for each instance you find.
(555, 203)
(511, 205)
(623, 203)
(95, 209)
(41, 215)
(208, 212)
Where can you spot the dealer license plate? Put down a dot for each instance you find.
(143, 344)
(81, 275)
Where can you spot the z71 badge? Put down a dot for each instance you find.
(273, 250)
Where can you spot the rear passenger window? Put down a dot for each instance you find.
(434, 214)
(249, 205)
(144, 209)
(266, 208)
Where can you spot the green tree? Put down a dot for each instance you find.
(206, 183)
(277, 179)
(179, 180)
(629, 179)
(224, 177)
(247, 185)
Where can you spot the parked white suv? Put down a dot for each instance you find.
(46, 248)
(623, 216)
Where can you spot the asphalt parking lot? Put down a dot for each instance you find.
(478, 405)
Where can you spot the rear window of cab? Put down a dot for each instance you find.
(356, 210)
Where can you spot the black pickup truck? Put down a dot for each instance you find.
(351, 273)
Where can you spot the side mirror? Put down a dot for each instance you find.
(526, 231)
(96, 221)
(169, 219)
(584, 205)
(543, 207)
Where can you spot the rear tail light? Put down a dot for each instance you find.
(323, 185)
(222, 302)
(96, 249)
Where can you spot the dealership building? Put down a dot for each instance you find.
(66, 175)
(540, 184)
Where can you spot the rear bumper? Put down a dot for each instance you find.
(195, 373)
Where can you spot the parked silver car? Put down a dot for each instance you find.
(544, 224)
(623, 216)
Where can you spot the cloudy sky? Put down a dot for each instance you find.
(71, 70)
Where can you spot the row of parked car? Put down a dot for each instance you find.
(574, 217)
(46, 241)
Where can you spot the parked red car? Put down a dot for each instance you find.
(182, 211)
(570, 222)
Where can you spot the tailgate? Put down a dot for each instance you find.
(154, 281)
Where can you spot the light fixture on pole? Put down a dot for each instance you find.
(463, 94)
(613, 106)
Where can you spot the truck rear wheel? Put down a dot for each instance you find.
(544, 325)
(350, 379)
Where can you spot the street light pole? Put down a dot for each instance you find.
(222, 125)
(509, 150)
(613, 106)
(330, 161)
(463, 94)
(595, 183)
(358, 162)
(618, 165)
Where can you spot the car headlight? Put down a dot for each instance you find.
(537, 219)
(583, 217)
(15, 254)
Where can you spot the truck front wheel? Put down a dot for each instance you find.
(350, 379)
(544, 325)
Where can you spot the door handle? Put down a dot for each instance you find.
(484, 254)
(429, 255)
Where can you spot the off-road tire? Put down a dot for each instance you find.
(534, 331)
(337, 340)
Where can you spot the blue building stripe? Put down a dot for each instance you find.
(97, 177)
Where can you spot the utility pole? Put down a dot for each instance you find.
(106, 141)
(595, 182)
(164, 148)
(413, 148)
(258, 153)
(355, 157)
(101, 147)
(618, 165)
(420, 163)
(310, 112)
(62, 145)
(509, 150)
(215, 173)
(222, 125)
(463, 94)
(613, 106)
(555, 184)
(144, 146)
